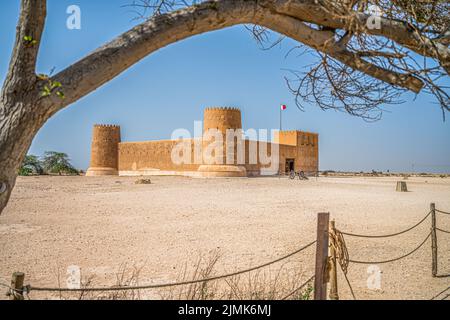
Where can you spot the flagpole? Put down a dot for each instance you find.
(282, 108)
(279, 135)
(281, 124)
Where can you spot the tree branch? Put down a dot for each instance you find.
(375, 53)
(324, 41)
(113, 58)
(28, 37)
(398, 31)
(157, 32)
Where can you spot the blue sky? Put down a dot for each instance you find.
(170, 89)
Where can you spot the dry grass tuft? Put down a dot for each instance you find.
(269, 284)
(272, 283)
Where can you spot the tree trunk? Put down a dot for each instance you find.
(21, 112)
(18, 126)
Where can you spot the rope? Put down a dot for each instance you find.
(395, 259)
(15, 292)
(10, 290)
(387, 235)
(441, 230)
(443, 212)
(443, 291)
(350, 286)
(299, 288)
(165, 285)
(337, 242)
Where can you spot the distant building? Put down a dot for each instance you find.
(297, 150)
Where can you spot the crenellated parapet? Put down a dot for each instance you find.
(308, 138)
(222, 109)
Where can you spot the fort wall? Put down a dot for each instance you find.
(153, 157)
(307, 152)
(289, 138)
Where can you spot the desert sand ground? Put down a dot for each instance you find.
(100, 224)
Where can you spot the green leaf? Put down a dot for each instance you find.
(60, 94)
(56, 84)
(30, 40)
(46, 91)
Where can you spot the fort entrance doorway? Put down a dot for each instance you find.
(290, 165)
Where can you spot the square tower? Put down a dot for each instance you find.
(306, 155)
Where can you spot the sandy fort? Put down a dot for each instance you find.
(290, 151)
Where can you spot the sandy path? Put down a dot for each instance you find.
(101, 223)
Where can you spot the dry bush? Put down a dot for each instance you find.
(125, 277)
(275, 284)
(271, 283)
(203, 268)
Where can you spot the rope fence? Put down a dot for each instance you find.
(442, 230)
(387, 235)
(27, 289)
(441, 293)
(342, 257)
(331, 251)
(394, 259)
(176, 284)
(299, 288)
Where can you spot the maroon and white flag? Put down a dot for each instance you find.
(283, 107)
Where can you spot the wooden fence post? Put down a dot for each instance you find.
(17, 281)
(333, 271)
(320, 281)
(401, 186)
(434, 249)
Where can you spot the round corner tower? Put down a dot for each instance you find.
(221, 119)
(105, 151)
